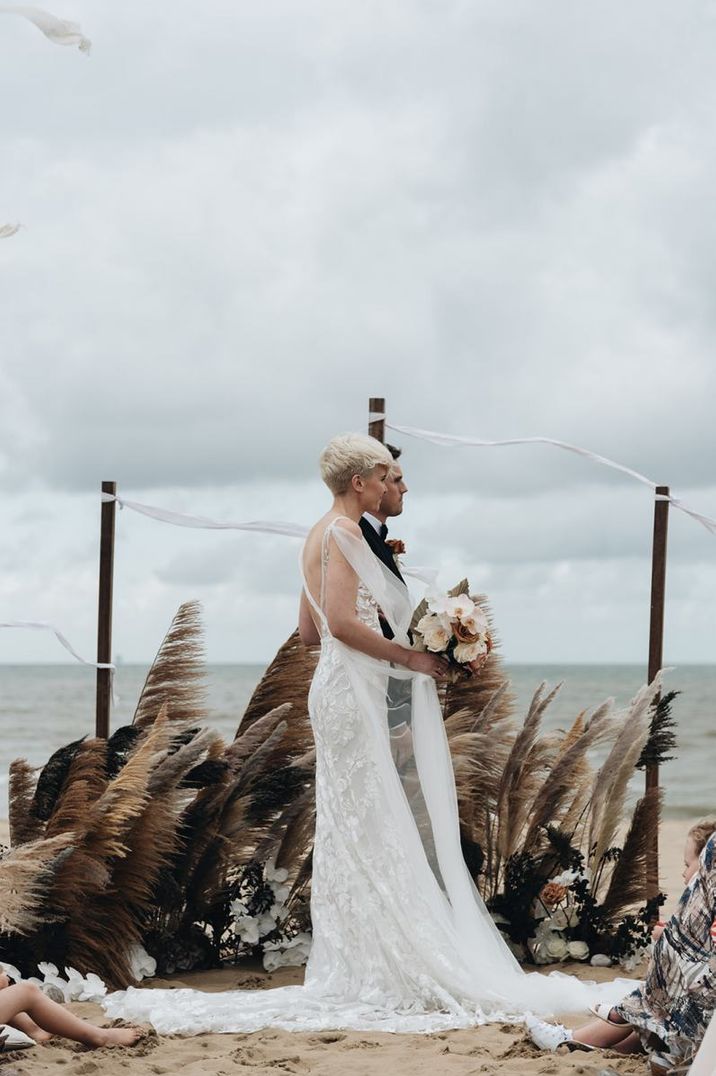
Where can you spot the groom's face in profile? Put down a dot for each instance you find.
(395, 490)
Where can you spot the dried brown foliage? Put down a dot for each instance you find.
(176, 678)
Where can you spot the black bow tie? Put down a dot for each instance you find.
(383, 531)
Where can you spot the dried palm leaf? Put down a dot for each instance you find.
(559, 788)
(513, 805)
(291, 838)
(86, 781)
(24, 824)
(176, 678)
(287, 680)
(626, 886)
(25, 874)
(610, 784)
(662, 734)
(119, 747)
(52, 778)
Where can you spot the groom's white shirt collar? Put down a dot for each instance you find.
(375, 523)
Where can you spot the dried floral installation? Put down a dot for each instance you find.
(165, 838)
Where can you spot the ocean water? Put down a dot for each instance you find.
(43, 707)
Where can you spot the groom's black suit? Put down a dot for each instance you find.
(383, 552)
(399, 691)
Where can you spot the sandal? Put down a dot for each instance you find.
(603, 1012)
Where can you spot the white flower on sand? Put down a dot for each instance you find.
(143, 966)
(84, 987)
(465, 652)
(435, 635)
(287, 952)
(601, 960)
(578, 950)
(52, 982)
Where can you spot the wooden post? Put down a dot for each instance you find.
(376, 426)
(104, 618)
(656, 648)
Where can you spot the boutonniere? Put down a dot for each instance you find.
(396, 546)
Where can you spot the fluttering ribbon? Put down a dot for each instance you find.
(43, 625)
(59, 31)
(6, 230)
(448, 439)
(179, 519)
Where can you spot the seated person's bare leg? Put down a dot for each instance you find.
(23, 1023)
(57, 1020)
(600, 1034)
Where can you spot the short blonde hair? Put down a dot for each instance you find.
(351, 454)
(701, 832)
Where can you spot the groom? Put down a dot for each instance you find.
(375, 532)
(375, 528)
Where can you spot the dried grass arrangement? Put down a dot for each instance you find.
(149, 838)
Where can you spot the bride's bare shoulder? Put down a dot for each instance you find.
(317, 531)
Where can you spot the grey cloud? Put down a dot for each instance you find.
(240, 224)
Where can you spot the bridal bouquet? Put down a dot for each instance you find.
(456, 626)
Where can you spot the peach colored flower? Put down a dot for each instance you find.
(552, 893)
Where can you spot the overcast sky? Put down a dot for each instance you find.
(242, 220)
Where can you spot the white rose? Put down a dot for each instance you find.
(560, 919)
(601, 960)
(578, 950)
(435, 635)
(465, 652)
(556, 946)
(538, 951)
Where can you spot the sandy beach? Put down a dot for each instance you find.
(491, 1049)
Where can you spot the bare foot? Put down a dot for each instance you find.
(41, 1036)
(119, 1036)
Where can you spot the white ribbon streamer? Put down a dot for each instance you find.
(59, 31)
(178, 519)
(447, 439)
(42, 625)
(6, 230)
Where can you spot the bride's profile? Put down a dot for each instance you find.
(402, 940)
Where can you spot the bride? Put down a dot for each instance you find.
(402, 940)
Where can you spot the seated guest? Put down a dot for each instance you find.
(669, 1014)
(27, 1017)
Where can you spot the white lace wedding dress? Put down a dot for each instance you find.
(402, 941)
